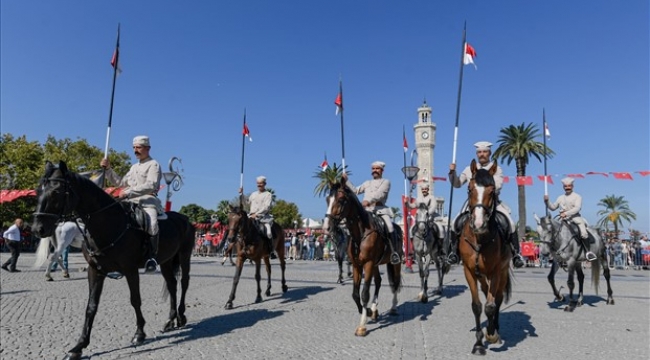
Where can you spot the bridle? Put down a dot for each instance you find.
(427, 227)
(341, 202)
(67, 209)
(489, 210)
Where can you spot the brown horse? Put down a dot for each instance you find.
(249, 244)
(485, 254)
(367, 248)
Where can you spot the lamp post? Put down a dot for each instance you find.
(173, 180)
(410, 172)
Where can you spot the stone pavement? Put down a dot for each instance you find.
(316, 318)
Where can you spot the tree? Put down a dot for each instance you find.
(616, 210)
(397, 212)
(284, 213)
(518, 144)
(326, 178)
(223, 208)
(196, 213)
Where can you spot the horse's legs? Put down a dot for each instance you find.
(283, 265)
(185, 283)
(267, 265)
(423, 266)
(498, 286)
(356, 284)
(476, 309)
(365, 298)
(133, 280)
(167, 271)
(551, 280)
(394, 280)
(340, 263)
(374, 312)
(235, 282)
(258, 278)
(95, 286)
(581, 282)
(571, 284)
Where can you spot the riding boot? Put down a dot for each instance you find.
(452, 258)
(588, 254)
(151, 264)
(517, 259)
(395, 257)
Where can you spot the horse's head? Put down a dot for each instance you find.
(337, 206)
(482, 197)
(55, 199)
(548, 235)
(422, 219)
(237, 218)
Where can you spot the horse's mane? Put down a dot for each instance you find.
(483, 178)
(358, 207)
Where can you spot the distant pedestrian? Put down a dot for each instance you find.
(12, 237)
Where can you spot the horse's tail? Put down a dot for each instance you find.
(43, 251)
(595, 274)
(176, 266)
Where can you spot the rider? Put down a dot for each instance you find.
(570, 204)
(425, 199)
(260, 202)
(375, 195)
(483, 152)
(140, 185)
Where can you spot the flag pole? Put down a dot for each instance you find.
(453, 156)
(545, 150)
(115, 62)
(404, 207)
(342, 127)
(241, 173)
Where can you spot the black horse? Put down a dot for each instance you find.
(116, 243)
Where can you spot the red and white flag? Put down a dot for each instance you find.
(324, 165)
(469, 55)
(405, 144)
(339, 103)
(547, 133)
(247, 132)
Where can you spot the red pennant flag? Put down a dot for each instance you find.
(524, 180)
(597, 173)
(622, 175)
(324, 165)
(339, 103)
(644, 173)
(549, 179)
(576, 176)
(439, 178)
(247, 132)
(469, 55)
(547, 132)
(405, 144)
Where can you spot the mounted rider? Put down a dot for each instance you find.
(375, 195)
(426, 200)
(260, 202)
(570, 205)
(483, 153)
(140, 186)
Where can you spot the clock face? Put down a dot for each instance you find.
(425, 135)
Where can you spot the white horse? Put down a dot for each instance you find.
(427, 239)
(68, 233)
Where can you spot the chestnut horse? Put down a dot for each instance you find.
(367, 248)
(249, 244)
(485, 254)
(116, 242)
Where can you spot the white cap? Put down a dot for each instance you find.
(261, 179)
(424, 185)
(381, 164)
(567, 181)
(141, 140)
(483, 145)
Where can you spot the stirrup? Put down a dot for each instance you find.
(590, 256)
(395, 258)
(115, 275)
(452, 259)
(150, 266)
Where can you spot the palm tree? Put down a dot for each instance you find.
(616, 209)
(326, 178)
(518, 143)
(222, 211)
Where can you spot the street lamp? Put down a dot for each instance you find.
(410, 172)
(174, 181)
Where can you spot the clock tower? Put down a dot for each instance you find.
(425, 141)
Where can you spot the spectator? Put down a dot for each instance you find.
(12, 237)
(294, 247)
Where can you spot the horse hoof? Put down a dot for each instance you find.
(181, 321)
(569, 308)
(66, 275)
(579, 303)
(258, 300)
(493, 339)
(560, 299)
(72, 356)
(138, 339)
(285, 288)
(393, 312)
(268, 293)
(228, 306)
(610, 301)
(374, 315)
(339, 281)
(48, 278)
(169, 326)
(361, 331)
(478, 350)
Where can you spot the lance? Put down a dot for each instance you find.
(339, 108)
(115, 62)
(545, 150)
(245, 132)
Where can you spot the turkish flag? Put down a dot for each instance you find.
(524, 180)
(622, 175)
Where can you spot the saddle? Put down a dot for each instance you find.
(575, 231)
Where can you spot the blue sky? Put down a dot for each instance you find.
(191, 68)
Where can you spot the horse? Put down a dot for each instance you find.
(427, 246)
(485, 254)
(558, 240)
(368, 247)
(116, 243)
(67, 233)
(249, 244)
(341, 234)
